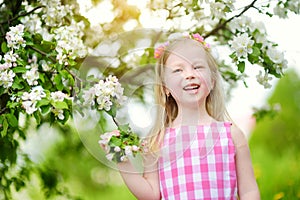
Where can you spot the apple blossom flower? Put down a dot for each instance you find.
(29, 106)
(10, 58)
(14, 37)
(280, 11)
(7, 78)
(117, 149)
(32, 75)
(59, 113)
(105, 138)
(135, 148)
(105, 93)
(128, 150)
(123, 158)
(240, 24)
(275, 55)
(217, 9)
(264, 79)
(242, 45)
(58, 96)
(29, 99)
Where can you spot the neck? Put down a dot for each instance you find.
(192, 115)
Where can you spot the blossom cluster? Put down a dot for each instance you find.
(105, 94)
(256, 49)
(68, 37)
(119, 145)
(30, 99)
(15, 40)
(281, 8)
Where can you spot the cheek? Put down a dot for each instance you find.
(206, 79)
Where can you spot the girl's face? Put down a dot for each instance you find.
(187, 74)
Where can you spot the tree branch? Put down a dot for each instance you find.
(21, 15)
(54, 60)
(222, 25)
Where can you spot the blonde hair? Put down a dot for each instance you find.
(215, 101)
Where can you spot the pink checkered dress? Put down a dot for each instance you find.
(198, 162)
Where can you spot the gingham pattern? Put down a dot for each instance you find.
(197, 162)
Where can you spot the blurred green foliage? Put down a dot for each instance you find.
(275, 143)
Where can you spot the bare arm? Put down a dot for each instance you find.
(143, 186)
(247, 186)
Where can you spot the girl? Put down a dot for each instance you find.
(197, 154)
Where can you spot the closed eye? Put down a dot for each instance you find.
(177, 70)
(198, 67)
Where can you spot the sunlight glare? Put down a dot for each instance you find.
(139, 4)
(99, 14)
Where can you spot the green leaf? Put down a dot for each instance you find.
(241, 66)
(37, 117)
(17, 84)
(60, 105)
(114, 141)
(12, 120)
(72, 62)
(19, 69)
(42, 102)
(5, 127)
(4, 47)
(45, 109)
(256, 51)
(58, 82)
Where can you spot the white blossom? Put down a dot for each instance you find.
(10, 59)
(264, 79)
(7, 78)
(117, 149)
(58, 96)
(33, 23)
(128, 150)
(29, 106)
(59, 113)
(45, 65)
(124, 158)
(217, 9)
(105, 93)
(275, 55)
(14, 37)
(240, 24)
(242, 45)
(104, 103)
(280, 11)
(29, 99)
(294, 5)
(37, 93)
(135, 148)
(88, 96)
(32, 75)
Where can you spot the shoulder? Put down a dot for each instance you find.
(238, 137)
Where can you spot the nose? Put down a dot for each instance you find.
(189, 74)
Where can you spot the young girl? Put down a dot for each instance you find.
(196, 153)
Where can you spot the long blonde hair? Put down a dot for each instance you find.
(215, 101)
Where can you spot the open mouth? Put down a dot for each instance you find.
(190, 87)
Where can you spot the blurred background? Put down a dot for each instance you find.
(72, 165)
